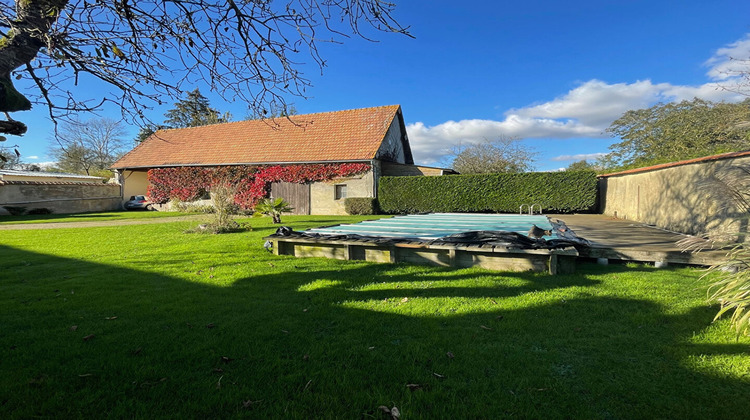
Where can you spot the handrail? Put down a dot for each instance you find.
(520, 208)
(531, 209)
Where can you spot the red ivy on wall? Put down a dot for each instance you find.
(253, 182)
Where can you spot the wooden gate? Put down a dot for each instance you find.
(297, 195)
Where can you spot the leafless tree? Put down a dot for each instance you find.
(502, 155)
(149, 50)
(87, 146)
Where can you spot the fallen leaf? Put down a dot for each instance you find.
(304, 310)
(285, 331)
(110, 318)
(413, 387)
(437, 375)
(210, 325)
(306, 357)
(450, 355)
(249, 403)
(226, 359)
(404, 300)
(499, 317)
(74, 327)
(395, 413)
(384, 409)
(85, 375)
(218, 370)
(371, 348)
(485, 328)
(271, 265)
(88, 337)
(218, 383)
(493, 301)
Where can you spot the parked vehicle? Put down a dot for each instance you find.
(138, 202)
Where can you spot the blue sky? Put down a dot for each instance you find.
(555, 74)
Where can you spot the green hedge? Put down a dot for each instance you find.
(361, 205)
(556, 192)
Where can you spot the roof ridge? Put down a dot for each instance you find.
(275, 118)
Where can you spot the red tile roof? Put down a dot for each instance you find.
(324, 137)
(728, 155)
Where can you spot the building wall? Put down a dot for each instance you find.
(392, 148)
(397, 169)
(31, 178)
(60, 197)
(134, 183)
(322, 194)
(686, 198)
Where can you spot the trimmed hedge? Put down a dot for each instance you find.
(361, 205)
(559, 192)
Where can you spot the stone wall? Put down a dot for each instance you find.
(682, 197)
(59, 197)
(323, 194)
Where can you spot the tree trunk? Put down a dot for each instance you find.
(29, 32)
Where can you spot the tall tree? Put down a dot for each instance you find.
(583, 165)
(194, 111)
(147, 50)
(89, 147)
(501, 155)
(678, 131)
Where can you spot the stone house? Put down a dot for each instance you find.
(375, 136)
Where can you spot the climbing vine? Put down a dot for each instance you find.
(253, 182)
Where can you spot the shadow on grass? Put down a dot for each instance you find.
(297, 341)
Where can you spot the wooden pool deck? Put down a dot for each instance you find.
(626, 240)
(609, 239)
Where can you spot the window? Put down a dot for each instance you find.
(339, 191)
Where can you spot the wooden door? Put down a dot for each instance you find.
(297, 195)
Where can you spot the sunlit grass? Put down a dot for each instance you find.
(88, 217)
(184, 325)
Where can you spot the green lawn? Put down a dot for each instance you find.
(144, 321)
(88, 217)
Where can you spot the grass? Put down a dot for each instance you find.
(88, 217)
(146, 321)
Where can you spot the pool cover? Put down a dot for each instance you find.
(438, 225)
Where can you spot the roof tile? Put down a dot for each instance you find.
(324, 137)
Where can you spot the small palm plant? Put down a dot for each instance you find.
(272, 207)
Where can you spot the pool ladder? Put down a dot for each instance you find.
(531, 208)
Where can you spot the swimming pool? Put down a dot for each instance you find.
(437, 225)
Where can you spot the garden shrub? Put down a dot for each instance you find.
(15, 210)
(40, 210)
(559, 192)
(361, 205)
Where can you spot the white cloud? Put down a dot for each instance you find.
(32, 157)
(730, 61)
(583, 112)
(587, 156)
